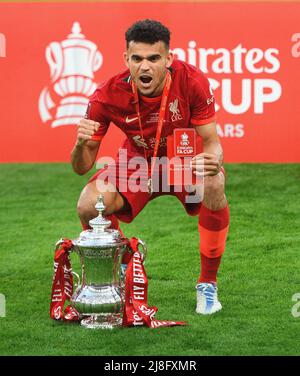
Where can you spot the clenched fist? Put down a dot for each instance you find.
(85, 130)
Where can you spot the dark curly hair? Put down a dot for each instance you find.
(148, 31)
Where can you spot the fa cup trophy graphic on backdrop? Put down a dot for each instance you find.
(72, 65)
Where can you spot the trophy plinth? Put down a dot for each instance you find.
(102, 321)
(99, 298)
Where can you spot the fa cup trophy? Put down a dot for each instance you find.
(99, 296)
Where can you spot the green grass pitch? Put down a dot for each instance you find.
(259, 274)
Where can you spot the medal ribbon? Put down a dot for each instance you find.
(161, 116)
(62, 286)
(136, 310)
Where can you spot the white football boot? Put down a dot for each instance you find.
(207, 299)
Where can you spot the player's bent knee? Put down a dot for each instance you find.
(88, 199)
(214, 185)
(85, 210)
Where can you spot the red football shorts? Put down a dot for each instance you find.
(121, 178)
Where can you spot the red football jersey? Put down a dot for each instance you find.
(190, 103)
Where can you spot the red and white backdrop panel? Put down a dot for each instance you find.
(52, 56)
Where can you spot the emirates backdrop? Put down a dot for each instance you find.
(52, 56)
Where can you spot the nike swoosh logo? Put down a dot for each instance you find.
(130, 120)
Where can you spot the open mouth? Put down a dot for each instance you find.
(146, 80)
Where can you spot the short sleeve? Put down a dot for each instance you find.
(96, 111)
(202, 101)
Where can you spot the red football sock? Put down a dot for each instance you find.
(213, 228)
(209, 269)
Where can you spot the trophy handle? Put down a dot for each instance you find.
(144, 249)
(58, 243)
(77, 283)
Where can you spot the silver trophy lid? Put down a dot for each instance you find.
(100, 236)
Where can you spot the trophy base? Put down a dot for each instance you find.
(103, 321)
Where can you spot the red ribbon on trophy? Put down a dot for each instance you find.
(136, 310)
(62, 286)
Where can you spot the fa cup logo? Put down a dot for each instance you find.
(72, 65)
(184, 140)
